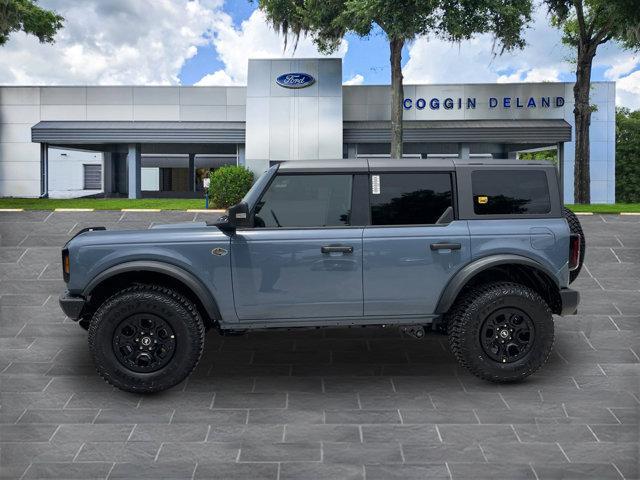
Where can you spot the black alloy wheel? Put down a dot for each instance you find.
(507, 335)
(144, 343)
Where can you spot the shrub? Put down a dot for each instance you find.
(228, 185)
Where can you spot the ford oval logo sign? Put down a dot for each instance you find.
(295, 80)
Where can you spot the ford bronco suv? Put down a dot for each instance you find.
(482, 250)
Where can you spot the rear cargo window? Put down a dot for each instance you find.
(514, 192)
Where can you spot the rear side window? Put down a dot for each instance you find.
(510, 192)
(305, 201)
(409, 198)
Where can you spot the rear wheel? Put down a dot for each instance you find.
(501, 332)
(146, 338)
(575, 227)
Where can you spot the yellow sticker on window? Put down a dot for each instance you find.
(482, 199)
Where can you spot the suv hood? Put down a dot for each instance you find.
(170, 233)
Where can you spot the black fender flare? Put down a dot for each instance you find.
(460, 279)
(178, 273)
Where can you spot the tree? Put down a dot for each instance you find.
(28, 17)
(627, 156)
(328, 21)
(587, 24)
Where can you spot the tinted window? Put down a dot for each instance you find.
(499, 192)
(305, 201)
(409, 198)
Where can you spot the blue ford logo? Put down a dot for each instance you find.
(295, 80)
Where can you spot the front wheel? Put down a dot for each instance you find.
(146, 338)
(501, 332)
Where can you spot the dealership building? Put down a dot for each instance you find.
(148, 141)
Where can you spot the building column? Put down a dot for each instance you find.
(192, 172)
(561, 168)
(464, 151)
(352, 150)
(240, 159)
(44, 170)
(134, 164)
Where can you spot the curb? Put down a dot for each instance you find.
(74, 209)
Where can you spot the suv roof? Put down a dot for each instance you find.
(404, 164)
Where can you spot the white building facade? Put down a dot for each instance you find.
(162, 141)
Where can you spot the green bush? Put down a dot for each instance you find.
(627, 156)
(228, 185)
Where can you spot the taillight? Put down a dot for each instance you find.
(574, 251)
(65, 265)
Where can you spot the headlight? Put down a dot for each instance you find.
(65, 265)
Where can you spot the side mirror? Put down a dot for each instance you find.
(239, 216)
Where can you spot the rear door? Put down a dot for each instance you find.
(414, 244)
(303, 258)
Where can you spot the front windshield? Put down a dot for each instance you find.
(254, 192)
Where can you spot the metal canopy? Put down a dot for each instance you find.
(435, 131)
(137, 132)
(452, 131)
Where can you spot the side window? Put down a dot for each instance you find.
(510, 192)
(305, 201)
(409, 198)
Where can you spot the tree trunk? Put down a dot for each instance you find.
(397, 96)
(582, 115)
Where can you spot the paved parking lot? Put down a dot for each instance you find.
(345, 404)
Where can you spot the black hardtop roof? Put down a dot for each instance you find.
(399, 165)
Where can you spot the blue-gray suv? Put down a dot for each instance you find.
(481, 250)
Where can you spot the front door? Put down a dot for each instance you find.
(414, 245)
(303, 259)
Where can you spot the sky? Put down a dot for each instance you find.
(208, 42)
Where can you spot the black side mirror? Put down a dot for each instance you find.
(239, 216)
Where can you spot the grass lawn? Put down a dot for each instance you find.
(198, 203)
(102, 203)
(604, 208)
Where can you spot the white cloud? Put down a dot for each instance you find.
(219, 77)
(628, 91)
(114, 42)
(531, 75)
(622, 65)
(253, 39)
(357, 79)
(433, 60)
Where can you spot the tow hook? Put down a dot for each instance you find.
(415, 331)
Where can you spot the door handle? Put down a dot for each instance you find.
(336, 249)
(446, 246)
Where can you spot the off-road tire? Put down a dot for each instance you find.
(465, 323)
(575, 227)
(176, 310)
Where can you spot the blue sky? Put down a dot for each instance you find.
(368, 56)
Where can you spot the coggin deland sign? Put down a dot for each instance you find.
(469, 103)
(302, 80)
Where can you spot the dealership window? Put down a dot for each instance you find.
(305, 201)
(499, 192)
(92, 177)
(410, 198)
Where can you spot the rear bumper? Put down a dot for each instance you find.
(72, 305)
(570, 300)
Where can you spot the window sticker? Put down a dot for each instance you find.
(375, 184)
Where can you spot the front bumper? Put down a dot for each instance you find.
(72, 305)
(570, 300)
